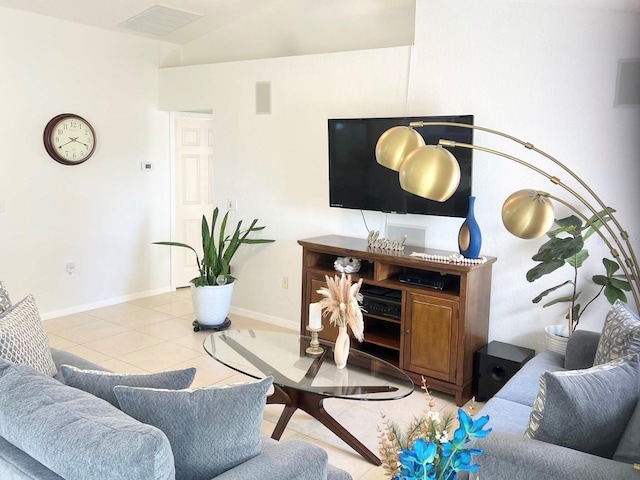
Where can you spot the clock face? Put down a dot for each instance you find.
(69, 139)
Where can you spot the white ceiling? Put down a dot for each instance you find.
(235, 24)
(294, 27)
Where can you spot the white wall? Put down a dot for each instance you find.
(548, 76)
(544, 74)
(276, 165)
(104, 213)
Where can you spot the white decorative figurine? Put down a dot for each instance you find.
(346, 265)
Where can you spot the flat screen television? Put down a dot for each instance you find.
(357, 181)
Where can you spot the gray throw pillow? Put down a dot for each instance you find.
(628, 450)
(23, 339)
(5, 302)
(620, 334)
(588, 409)
(210, 429)
(101, 383)
(74, 434)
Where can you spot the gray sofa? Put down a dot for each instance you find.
(509, 454)
(74, 435)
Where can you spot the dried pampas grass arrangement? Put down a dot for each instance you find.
(341, 303)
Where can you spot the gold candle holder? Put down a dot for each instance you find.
(314, 349)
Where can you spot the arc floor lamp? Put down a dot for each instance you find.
(432, 172)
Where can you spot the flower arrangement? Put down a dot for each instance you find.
(341, 302)
(425, 450)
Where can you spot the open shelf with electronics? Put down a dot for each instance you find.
(425, 317)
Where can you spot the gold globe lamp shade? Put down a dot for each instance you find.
(395, 144)
(527, 214)
(431, 172)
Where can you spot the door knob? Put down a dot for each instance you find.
(407, 331)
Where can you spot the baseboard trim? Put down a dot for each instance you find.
(102, 303)
(280, 322)
(261, 317)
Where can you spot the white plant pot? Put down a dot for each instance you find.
(211, 303)
(556, 337)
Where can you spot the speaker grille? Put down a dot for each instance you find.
(628, 87)
(263, 97)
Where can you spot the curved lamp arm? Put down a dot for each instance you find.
(429, 160)
(632, 262)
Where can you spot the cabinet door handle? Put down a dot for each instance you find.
(407, 331)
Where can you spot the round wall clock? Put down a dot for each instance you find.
(69, 139)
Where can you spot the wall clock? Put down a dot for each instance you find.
(69, 139)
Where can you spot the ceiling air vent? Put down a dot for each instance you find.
(159, 20)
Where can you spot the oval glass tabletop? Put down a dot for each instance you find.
(260, 353)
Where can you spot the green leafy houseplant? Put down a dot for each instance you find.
(214, 267)
(566, 247)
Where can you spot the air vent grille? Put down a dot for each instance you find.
(159, 20)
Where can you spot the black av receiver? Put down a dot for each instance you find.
(384, 302)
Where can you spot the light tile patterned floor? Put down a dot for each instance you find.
(155, 333)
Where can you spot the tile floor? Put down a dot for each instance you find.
(155, 333)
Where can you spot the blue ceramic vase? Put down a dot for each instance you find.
(470, 237)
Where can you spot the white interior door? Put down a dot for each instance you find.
(193, 161)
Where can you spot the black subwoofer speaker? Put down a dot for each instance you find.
(494, 364)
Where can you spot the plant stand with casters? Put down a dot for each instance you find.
(197, 326)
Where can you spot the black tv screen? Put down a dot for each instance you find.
(357, 181)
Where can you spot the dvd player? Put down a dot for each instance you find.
(433, 280)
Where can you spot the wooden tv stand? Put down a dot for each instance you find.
(433, 333)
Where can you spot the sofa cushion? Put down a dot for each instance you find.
(62, 357)
(101, 383)
(17, 465)
(76, 435)
(506, 416)
(22, 338)
(581, 349)
(628, 449)
(523, 387)
(5, 302)
(586, 410)
(210, 429)
(620, 334)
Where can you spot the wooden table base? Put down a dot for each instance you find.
(311, 403)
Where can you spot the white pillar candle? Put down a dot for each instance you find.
(315, 316)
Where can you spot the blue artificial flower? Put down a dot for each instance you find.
(462, 461)
(435, 460)
(470, 428)
(447, 449)
(417, 463)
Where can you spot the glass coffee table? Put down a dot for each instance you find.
(303, 381)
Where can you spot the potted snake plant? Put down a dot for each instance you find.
(212, 289)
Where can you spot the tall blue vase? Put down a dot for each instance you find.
(470, 237)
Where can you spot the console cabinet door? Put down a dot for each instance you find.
(431, 336)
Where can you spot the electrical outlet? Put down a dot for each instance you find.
(285, 282)
(232, 204)
(70, 268)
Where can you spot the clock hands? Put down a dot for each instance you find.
(71, 140)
